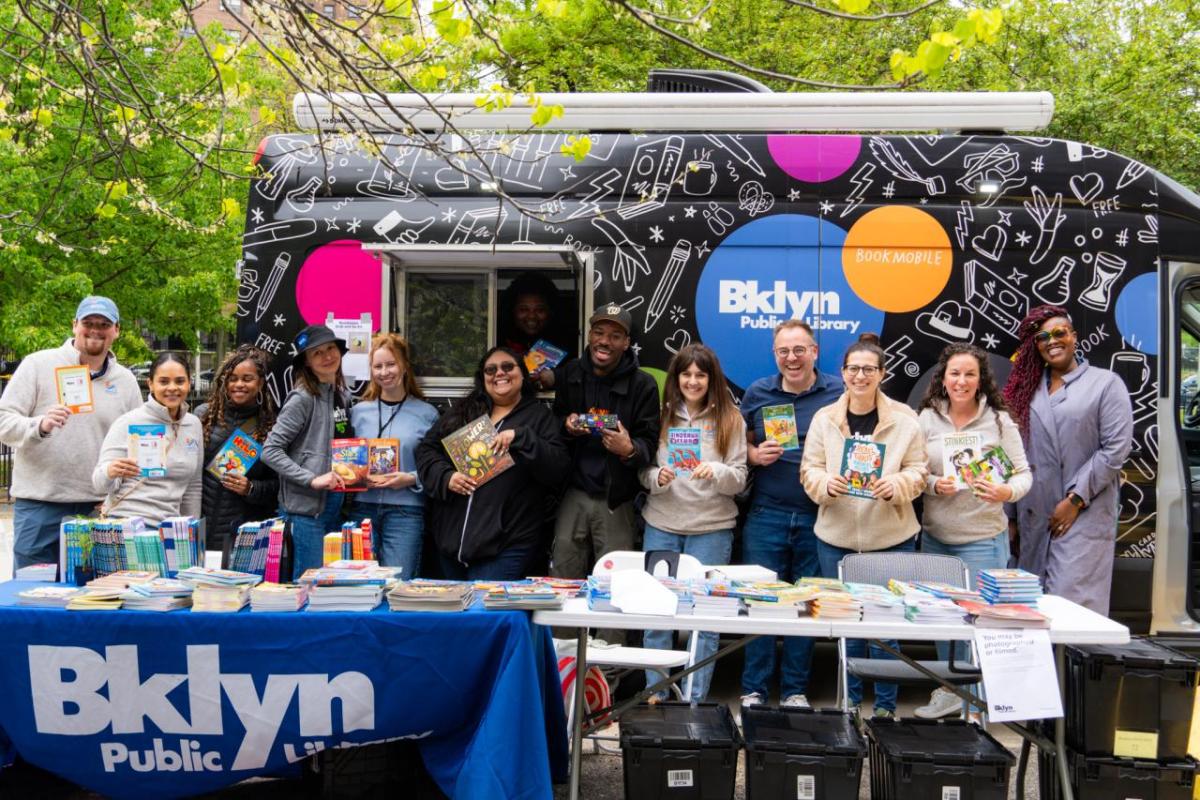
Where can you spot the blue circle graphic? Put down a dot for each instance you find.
(1137, 326)
(787, 266)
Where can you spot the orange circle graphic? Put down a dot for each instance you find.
(897, 258)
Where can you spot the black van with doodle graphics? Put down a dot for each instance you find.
(709, 219)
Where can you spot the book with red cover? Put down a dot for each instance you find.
(1004, 615)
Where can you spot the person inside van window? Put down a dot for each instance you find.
(155, 498)
(315, 412)
(967, 521)
(393, 407)
(690, 508)
(531, 301)
(885, 521)
(493, 531)
(1077, 422)
(238, 401)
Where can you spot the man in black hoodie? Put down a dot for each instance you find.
(596, 515)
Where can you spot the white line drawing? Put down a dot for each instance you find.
(256, 216)
(735, 148)
(1086, 187)
(1055, 287)
(966, 215)
(521, 161)
(989, 340)
(1038, 164)
(352, 225)
(1150, 234)
(387, 183)
(247, 290)
(409, 235)
(794, 195)
(1016, 276)
(667, 283)
(656, 234)
(601, 141)
(330, 224)
(677, 314)
(298, 152)
(889, 190)
(597, 279)
(1131, 500)
(733, 173)
(703, 249)
(1134, 368)
(754, 199)
(1078, 152)
(568, 172)
(990, 244)
(648, 184)
(1000, 166)
(825, 206)
(677, 341)
(896, 355)
(1080, 240)
(935, 149)
(279, 232)
(278, 270)
(486, 221)
(633, 302)
(1023, 238)
(453, 177)
(891, 160)
(1005, 217)
(1047, 215)
(951, 322)
(279, 393)
(449, 214)
(1133, 170)
(602, 185)
(996, 299)
(860, 180)
(1106, 268)
(1122, 237)
(699, 178)
(719, 219)
(1097, 232)
(279, 320)
(628, 257)
(303, 198)
(523, 223)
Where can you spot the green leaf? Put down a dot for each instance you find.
(230, 208)
(43, 117)
(116, 190)
(577, 147)
(106, 210)
(854, 6)
(555, 9)
(398, 8)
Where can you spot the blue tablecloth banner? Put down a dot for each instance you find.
(148, 704)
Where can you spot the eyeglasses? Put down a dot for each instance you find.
(492, 369)
(854, 369)
(796, 351)
(1044, 337)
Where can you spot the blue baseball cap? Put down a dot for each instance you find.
(100, 306)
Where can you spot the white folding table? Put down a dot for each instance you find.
(1070, 623)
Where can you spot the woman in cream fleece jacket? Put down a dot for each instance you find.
(691, 508)
(848, 524)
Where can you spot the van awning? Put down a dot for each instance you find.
(501, 256)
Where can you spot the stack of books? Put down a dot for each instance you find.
(599, 593)
(123, 579)
(522, 596)
(38, 572)
(268, 596)
(95, 600)
(832, 599)
(347, 585)
(1010, 586)
(707, 603)
(75, 551)
(946, 591)
(925, 609)
(790, 602)
(257, 548)
(47, 596)
(160, 594)
(1003, 615)
(430, 596)
(226, 598)
(344, 597)
(878, 604)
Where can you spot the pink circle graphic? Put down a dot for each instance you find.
(814, 159)
(342, 278)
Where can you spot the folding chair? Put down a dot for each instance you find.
(878, 568)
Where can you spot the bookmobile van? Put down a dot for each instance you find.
(700, 214)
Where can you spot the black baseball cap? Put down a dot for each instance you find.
(613, 313)
(314, 336)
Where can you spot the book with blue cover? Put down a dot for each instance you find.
(236, 456)
(148, 447)
(683, 449)
(862, 465)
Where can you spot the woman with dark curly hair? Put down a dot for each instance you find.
(1077, 424)
(238, 400)
(967, 522)
(493, 531)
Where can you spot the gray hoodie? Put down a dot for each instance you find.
(155, 499)
(298, 449)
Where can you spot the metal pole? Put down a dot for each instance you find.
(577, 719)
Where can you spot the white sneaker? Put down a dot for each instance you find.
(942, 703)
(795, 701)
(753, 699)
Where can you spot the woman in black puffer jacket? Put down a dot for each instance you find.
(239, 400)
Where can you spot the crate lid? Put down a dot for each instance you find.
(1137, 652)
(1106, 766)
(937, 741)
(679, 726)
(802, 731)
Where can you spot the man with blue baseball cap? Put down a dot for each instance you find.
(55, 450)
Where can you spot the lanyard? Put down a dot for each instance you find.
(384, 425)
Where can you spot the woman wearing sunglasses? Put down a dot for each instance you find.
(851, 524)
(493, 531)
(1077, 423)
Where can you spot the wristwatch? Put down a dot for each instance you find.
(1076, 501)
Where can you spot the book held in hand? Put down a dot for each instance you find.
(862, 465)
(779, 423)
(383, 456)
(74, 385)
(683, 449)
(350, 464)
(993, 466)
(596, 421)
(237, 455)
(148, 447)
(470, 448)
(959, 450)
(543, 355)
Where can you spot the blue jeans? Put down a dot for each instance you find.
(782, 540)
(510, 564)
(35, 529)
(885, 693)
(990, 553)
(713, 547)
(308, 533)
(398, 534)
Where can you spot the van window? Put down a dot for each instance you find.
(446, 316)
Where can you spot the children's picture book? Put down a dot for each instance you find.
(543, 355)
(862, 465)
(148, 446)
(350, 463)
(779, 423)
(470, 448)
(959, 450)
(994, 466)
(239, 453)
(383, 456)
(683, 449)
(75, 388)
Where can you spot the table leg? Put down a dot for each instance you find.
(580, 705)
(1060, 726)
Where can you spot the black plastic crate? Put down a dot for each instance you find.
(801, 754)
(679, 751)
(1141, 687)
(1098, 778)
(918, 759)
(383, 771)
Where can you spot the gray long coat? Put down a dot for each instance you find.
(1078, 440)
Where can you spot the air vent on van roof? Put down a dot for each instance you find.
(700, 80)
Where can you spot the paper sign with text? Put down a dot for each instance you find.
(1018, 674)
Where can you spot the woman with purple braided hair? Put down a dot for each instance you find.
(1077, 423)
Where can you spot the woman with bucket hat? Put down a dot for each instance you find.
(316, 411)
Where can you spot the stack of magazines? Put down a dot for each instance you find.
(925, 609)
(522, 596)
(833, 599)
(347, 585)
(706, 603)
(160, 594)
(947, 591)
(223, 590)
(278, 597)
(421, 595)
(1009, 586)
(47, 596)
(95, 600)
(1004, 615)
(599, 593)
(344, 597)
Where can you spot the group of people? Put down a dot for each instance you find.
(580, 465)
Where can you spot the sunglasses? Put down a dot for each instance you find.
(492, 369)
(1044, 337)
